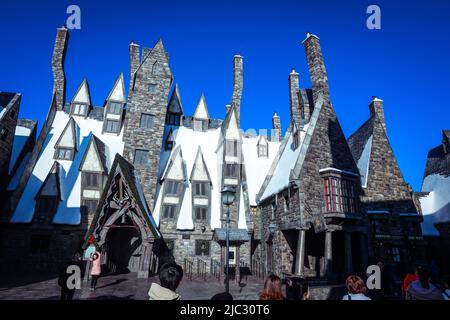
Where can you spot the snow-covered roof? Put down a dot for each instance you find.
(284, 163)
(188, 142)
(69, 209)
(363, 162)
(19, 172)
(436, 205)
(256, 167)
(20, 138)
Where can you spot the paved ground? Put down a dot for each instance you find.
(123, 287)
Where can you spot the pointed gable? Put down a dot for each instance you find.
(51, 187)
(199, 170)
(122, 197)
(117, 93)
(262, 141)
(68, 138)
(94, 159)
(156, 58)
(82, 95)
(175, 105)
(232, 131)
(372, 151)
(176, 169)
(201, 112)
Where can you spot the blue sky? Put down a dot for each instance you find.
(405, 63)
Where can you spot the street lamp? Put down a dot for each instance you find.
(228, 196)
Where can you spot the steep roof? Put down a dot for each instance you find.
(127, 171)
(376, 161)
(175, 105)
(82, 95)
(117, 93)
(201, 112)
(69, 209)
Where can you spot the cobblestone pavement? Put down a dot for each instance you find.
(121, 287)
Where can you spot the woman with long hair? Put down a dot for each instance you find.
(272, 289)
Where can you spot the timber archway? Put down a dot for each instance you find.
(123, 228)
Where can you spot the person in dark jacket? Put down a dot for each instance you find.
(423, 289)
(67, 291)
(388, 286)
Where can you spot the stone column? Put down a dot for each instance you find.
(328, 254)
(300, 259)
(348, 252)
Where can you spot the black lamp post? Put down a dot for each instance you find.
(228, 196)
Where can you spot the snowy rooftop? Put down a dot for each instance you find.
(69, 209)
(288, 155)
(189, 142)
(436, 205)
(20, 138)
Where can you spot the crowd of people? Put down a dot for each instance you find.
(417, 285)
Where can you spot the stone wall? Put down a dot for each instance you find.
(140, 101)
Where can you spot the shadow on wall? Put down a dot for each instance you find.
(162, 251)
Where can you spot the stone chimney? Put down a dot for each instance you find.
(58, 58)
(316, 67)
(135, 59)
(228, 107)
(376, 107)
(276, 122)
(237, 85)
(294, 81)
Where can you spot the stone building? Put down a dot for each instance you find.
(313, 224)
(435, 203)
(142, 180)
(395, 238)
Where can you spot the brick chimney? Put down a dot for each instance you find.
(58, 58)
(237, 85)
(316, 66)
(294, 81)
(276, 122)
(376, 108)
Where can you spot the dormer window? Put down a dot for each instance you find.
(64, 154)
(45, 209)
(231, 148)
(173, 187)
(200, 125)
(112, 126)
(231, 170)
(115, 108)
(263, 151)
(79, 109)
(173, 119)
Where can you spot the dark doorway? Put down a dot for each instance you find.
(123, 250)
